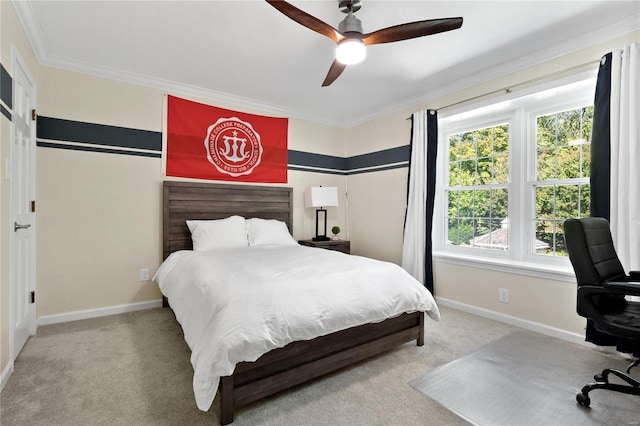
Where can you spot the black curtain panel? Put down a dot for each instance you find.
(601, 142)
(432, 154)
(600, 184)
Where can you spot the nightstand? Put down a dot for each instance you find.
(337, 245)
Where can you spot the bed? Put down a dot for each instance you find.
(298, 361)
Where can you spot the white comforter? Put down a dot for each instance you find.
(235, 305)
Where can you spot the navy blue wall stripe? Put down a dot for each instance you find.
(309, 159)
(6, 91)
(99, 134)
(5, 112)
(50, 130)
(380, 158)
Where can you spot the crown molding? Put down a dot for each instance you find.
(27, 18)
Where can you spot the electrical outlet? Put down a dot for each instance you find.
(503, 295)
(144, 274)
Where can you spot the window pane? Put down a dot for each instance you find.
(544, 237)
(485, 172)
(484, 139)
(454, 147)
(501, 139)
(452, 232)
(501, 169)
(568, 127)
(465, 231)
(546, 132)
(452, 209)
(468, 172)
(569, 162)
(465, 204)
(499, 203)
(567, 201)
(483, 204)
(546, 164)
(587, 123)
(586, 160)
(454, 174)
(468, 145)
(545, 202)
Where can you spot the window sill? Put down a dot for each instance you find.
(537, 270)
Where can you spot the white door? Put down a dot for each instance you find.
(23, 155)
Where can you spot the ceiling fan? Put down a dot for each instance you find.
(351, 42)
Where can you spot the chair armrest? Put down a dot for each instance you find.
(631, 288)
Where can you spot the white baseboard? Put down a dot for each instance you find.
(6, 373)
(518, 322)
(99, 312)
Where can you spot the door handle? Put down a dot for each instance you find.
(17, 226)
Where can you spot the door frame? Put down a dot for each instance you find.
(20, 66)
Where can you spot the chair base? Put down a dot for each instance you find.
(602, 382)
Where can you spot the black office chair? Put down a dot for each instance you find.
(602, 287)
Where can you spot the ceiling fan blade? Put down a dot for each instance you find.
(303, 18)
(334, 72)
(412, 30)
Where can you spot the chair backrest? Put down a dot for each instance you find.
(591, 250)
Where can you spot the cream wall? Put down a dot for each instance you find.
(99, 215)
(547, 302)
(12, 39)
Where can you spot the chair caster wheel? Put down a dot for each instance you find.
(583, 399)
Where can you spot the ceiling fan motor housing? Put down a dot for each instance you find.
(350, 24)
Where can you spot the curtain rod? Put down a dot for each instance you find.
(509, 89)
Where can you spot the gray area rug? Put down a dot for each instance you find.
(529, 379)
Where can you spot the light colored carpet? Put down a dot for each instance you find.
(529, 379)
(134, 369)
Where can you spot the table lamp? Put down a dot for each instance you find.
(321, 196)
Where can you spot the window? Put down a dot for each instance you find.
(511, 173)
(563, 153)
(477, 193)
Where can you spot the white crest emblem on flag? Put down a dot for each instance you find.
(233, 146)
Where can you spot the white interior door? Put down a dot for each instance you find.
(23, 151)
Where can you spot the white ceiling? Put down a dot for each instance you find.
(249, 54)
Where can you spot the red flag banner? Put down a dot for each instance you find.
(206, 142)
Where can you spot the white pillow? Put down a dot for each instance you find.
(221, 233)
(263, 232)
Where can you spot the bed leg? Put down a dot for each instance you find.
(420, 341)
(226, 400)
(165, 302)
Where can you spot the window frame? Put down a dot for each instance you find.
(520, 113)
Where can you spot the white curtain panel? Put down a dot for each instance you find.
(413, 248)
(625, 154)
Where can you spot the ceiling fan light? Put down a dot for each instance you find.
(351, 51)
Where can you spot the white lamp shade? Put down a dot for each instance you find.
(321, 196)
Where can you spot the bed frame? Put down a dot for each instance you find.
(298, 362)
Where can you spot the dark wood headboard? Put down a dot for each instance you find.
(184, 201)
